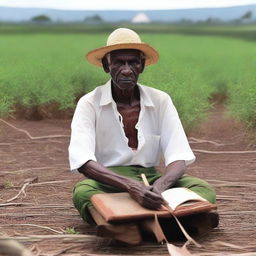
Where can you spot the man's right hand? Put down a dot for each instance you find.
(141, 193)
(145, 197)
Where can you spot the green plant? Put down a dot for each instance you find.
(8, 184)
(71, 230)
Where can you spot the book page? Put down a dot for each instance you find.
(177, 196)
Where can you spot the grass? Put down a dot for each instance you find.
(42, 69)
(38, 70)
(191, 69)
(242, 100)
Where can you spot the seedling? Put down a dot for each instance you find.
(71, 230)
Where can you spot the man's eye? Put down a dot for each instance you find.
(118, 63)
(135, 62)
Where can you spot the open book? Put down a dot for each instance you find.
(179, 196)
(121, 207)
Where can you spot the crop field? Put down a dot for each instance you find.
(43, 73)
(209, 74)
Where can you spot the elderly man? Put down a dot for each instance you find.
(120, 129)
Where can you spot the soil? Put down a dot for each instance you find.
(46, 202)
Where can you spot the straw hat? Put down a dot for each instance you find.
(123, 38)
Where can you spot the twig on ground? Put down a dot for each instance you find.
(35, 168)
(36, 137)
(37, 226)
(226, 183)
(222, 254)
(22, 190)
(39, 206)
(14, 204)
(195, 140)
(75, 238)
(6, 144)
(225, 244)
(224, 152)
(253, 212)
(24, 215)
(49, 182)
(29, 142)
(227, 196)
(66, 250)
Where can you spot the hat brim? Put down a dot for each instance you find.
(95, 56)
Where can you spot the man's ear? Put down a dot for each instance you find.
(143, 60)
(104, 62)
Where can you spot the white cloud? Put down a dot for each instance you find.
(128, 5)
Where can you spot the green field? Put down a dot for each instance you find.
(41, 69)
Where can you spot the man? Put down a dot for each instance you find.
(120, 129)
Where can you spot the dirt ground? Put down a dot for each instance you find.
(43, 216)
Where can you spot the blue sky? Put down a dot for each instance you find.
(123, 5)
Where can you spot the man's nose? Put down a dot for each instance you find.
(126, 70)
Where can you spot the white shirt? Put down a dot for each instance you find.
(98, 134)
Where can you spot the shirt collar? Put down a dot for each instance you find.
(144, 96)
(106, 95)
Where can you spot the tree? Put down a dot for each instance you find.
(247, 16)
(41, 19)
(95, 19)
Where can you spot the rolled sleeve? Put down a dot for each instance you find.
(82, 142)
(174, 142)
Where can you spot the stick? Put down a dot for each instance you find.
(38, 226)
(189, 238)
(144, 178)
(195, 140)
(15, 204)
(233, 246)
(22, 189)
(49, 182)
(224, 152)
(35, 168)
(66, 250)
(46, 237)
(30, 142)
(32, 137)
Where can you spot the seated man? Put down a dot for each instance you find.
(120, 130)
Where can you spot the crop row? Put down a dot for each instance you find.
(42, 69)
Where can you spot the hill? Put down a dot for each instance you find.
(225, 14)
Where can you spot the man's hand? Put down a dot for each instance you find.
(145, 196)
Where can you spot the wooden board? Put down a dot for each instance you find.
(116, 207)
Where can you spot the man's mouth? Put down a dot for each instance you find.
(126, 80)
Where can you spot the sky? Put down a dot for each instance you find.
(123, 5)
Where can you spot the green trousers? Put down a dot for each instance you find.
(85, 189)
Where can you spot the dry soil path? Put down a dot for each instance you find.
(39, 216)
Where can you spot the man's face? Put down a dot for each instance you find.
(124, 67)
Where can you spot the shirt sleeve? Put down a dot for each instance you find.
(82, 142)
(173, 141)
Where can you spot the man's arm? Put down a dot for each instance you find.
(172, 173)
(138, 191)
